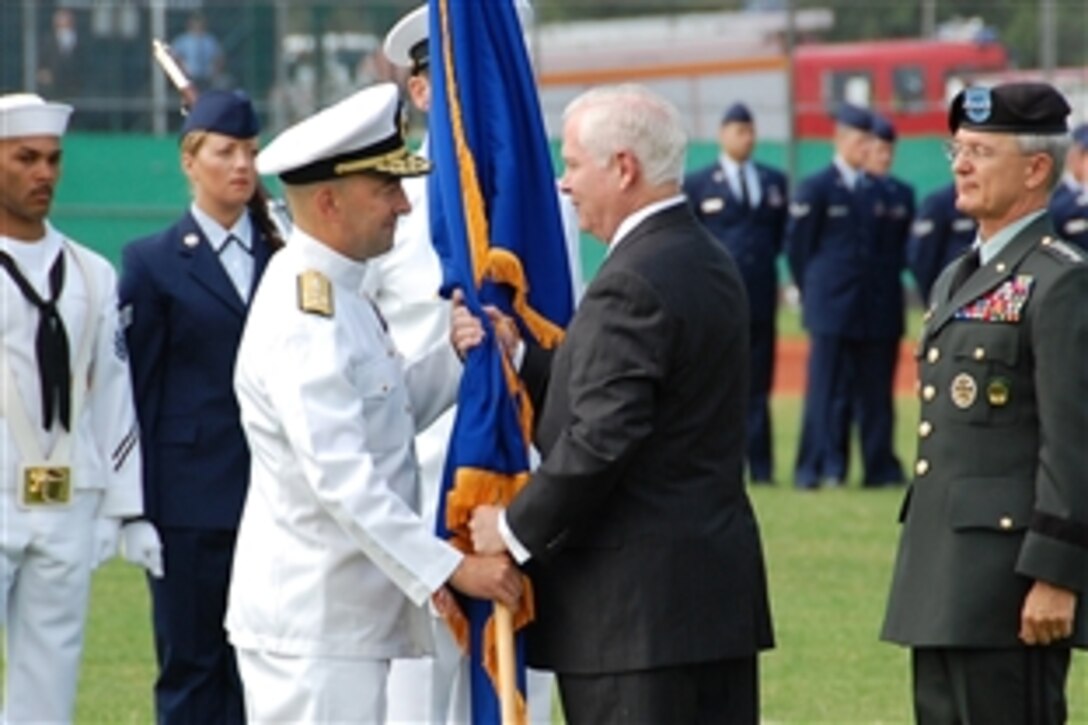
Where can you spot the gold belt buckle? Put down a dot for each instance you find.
(49, 486)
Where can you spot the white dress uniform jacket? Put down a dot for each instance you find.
(333, 558)
(404, 283)
(46, 554)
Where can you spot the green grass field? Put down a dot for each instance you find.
(829, 555)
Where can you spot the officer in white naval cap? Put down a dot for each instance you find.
(334, 562)
(404, 283)
(69, 443)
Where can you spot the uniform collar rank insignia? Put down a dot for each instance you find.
(1004, 304)
(315, 293)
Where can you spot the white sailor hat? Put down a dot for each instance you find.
(406, 44)
(26, 114)
(362, 133)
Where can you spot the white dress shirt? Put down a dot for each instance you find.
(233, 246)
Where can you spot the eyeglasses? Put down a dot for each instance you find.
(970, 151)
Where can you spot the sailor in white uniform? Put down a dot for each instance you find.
(334, 563)
(69, 443)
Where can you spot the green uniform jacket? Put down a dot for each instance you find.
(1000, 492)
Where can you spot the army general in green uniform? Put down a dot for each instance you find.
(990, 583)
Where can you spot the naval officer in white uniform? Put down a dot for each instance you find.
(69, 443)
(334, 562)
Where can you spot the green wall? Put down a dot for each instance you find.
(116, 188)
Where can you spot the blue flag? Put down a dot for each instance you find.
(496, 225)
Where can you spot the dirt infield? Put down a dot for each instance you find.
(791, 360)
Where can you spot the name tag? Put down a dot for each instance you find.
(712, 205)
(45, 486)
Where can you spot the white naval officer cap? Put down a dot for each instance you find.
(27, 114)
(362, 133)
(406, 43)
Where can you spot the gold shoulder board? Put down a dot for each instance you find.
(315, 293)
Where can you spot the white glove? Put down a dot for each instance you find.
(106, 529)
(140, 545)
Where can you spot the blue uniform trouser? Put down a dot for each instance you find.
(874, 405)
(819, 457)
(760, 456)
(198, 676)
(849, 380)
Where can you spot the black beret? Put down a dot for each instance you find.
(1010, 108)
(737, 113)
(227, 112)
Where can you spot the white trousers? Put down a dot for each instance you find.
(284, 689)
(45, 576)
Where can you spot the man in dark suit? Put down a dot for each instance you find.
(185, 295)
(833, 244)
(939, 235)
(640, 539)
(743, 203)
(990, 588)
(1069, 202)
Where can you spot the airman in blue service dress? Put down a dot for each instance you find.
(185, 292)
(748, 216)
(1069, 202)
(939, 235)
(832, 241)
(990, 586)
(873, 401)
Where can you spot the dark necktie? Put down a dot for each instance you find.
(745, 197)
(50, 343)
(966, 268)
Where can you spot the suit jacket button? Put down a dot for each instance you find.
(933, 355)
(921, 468)
(929, 393)
(1006, 522)
(925, 428)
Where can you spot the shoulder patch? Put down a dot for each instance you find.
(1061, 250)
(315, 293)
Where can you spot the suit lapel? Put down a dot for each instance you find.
(204, 267)
(992, 274)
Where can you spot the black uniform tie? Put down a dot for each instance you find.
(968, 265)
(50, 344)
(745, 197)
